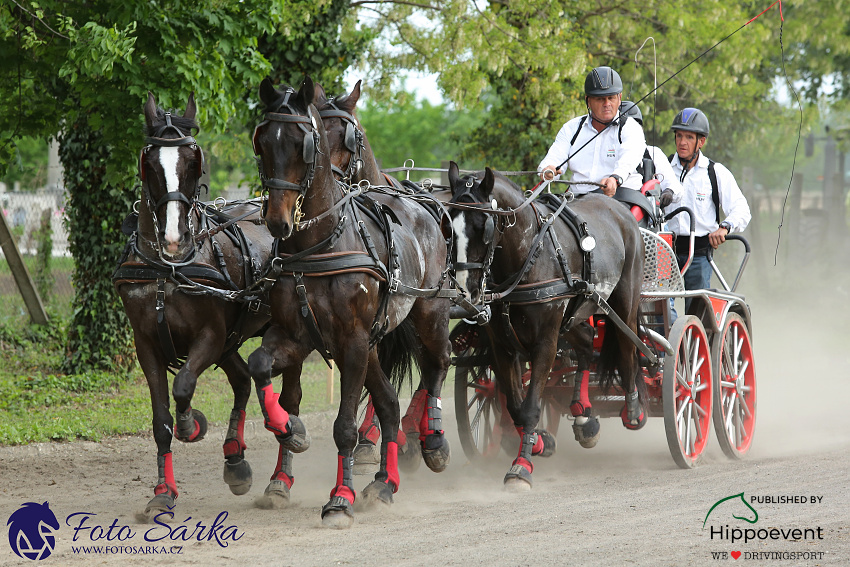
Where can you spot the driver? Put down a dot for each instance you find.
(615, 144)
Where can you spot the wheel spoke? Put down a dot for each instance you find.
(689, 441)
(731, 411)
(700, 410)
(683, 407)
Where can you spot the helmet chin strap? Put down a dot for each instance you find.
(686, 164)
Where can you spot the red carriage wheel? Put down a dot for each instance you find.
(734, 387)
(687, 391)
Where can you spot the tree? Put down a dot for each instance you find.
(88, 66)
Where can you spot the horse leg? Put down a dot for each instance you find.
(267, 361)
(431, 319)
(586, 425)
(532, 441)
(385, 401)
(409, 448)
(237, 470)
(624, 300)
(191, 424)
(366, 453)
(276, 494)
(339, 511)
(154, 367)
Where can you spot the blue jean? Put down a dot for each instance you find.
(698, 276)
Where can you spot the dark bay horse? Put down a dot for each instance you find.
(532, 257)
(179, 264)
(347, 279)
(353, 161)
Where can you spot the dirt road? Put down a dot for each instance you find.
(623, 502)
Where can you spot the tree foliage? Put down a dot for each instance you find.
(84, 69)
(533, 55)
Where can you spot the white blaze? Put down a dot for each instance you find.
(168, 160)
(462, 243)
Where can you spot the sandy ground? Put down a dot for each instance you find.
(622, 503)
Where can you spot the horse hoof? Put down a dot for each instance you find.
(337, 514)
(587, 433)
(275, 497)
(549, 443)
(191, 426)
(298, 439)
(159, 504)
(367, 458)
(436, 452)
(377, 493)
(238, 476)
(410, 455)
(518, 479)
(632, 423)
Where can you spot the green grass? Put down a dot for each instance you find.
(38, 404)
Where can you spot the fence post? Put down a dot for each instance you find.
(22, 276)
(329, 385)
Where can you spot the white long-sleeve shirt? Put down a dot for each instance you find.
(664, 172)
(697, 197)
(602, 156)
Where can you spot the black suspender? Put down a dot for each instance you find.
(715, 192)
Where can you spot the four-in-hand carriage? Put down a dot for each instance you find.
(697, 368)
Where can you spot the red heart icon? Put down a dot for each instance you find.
(735, 554)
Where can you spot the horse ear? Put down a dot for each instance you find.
(191, 109)
(268, 94)
(319, 96)
(150, 109)
(349, 101)
(307, 92)
(488, 182)
(454, 176)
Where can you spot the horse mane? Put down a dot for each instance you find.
(185, 125)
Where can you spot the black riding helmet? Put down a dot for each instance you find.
(691, 120)
(603, 81)
(630, 109)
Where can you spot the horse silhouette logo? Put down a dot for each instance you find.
(31, 529)
(740, 496)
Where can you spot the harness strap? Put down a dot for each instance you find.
(162, 329)
(310, 320)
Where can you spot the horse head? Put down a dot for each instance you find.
(170, 167)
(291, 148)
(475, 229)
(345, 136)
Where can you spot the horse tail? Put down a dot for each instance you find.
(399, 353)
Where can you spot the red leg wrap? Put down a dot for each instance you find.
(411, 419)
(426, 424)
(235, 445)
(525, 463)
(401, 438)
(369, 429)
(166, 474)
(536, 449)
(582, 403)
(283, 471)
(392, 466)
(341, 489)
(277, 419)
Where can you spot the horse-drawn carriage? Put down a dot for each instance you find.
(560, 301)
(703, 370)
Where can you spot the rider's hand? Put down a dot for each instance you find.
(609, 186)
(717, 237)
(549, 176)
(666, 198)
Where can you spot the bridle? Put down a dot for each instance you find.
(158, 141)
(492, 233)
(353, 141)
(306, 124)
